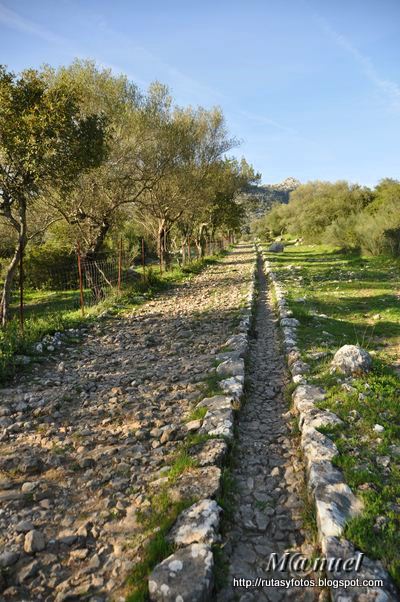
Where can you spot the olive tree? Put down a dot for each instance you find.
(192, 144)
(44, 144)
(138, 143)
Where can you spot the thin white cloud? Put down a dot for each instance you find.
(389, 88)
(269, 122)
(15, 21)
(187, 86)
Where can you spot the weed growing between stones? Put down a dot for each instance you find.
(157, 521)
(181, 464)
(211, 385)
(290, 387)
(197, 414)
(226, 501)
(308, 514)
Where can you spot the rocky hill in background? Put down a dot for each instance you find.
(259, 199)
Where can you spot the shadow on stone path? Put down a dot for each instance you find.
(84, 435)
(268, 472)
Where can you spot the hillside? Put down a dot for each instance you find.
(258, 199)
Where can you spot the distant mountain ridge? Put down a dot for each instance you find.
(259, 199)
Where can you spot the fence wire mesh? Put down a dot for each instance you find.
(85, 282)
(60, 289)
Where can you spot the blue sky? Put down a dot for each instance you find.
(311, 87)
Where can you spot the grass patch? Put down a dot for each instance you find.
(227, 503)
(197, 414)
(195, 439)
(221, 567)
(160, 516)
(309, 515)
(211, 385)
(182, 463)
(289, 389)
(228, 488)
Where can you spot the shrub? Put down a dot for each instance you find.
(342, 214)
(50, 266)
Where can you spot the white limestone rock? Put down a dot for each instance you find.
(217, 402)
(299, 367)
(218, 422)
(369, 570)
(290, 322)
(186, 576)
(233, 386)
(351, 359)
(197, 484)
(335, 504)
(318, 418)
(197, 524)
(317, 446)
(231, 367)
(308, 393)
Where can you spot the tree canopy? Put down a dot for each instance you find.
(340, 213)
(85, 154)
(45, 142)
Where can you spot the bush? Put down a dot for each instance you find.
(342, 233)
(342, 214)
(50, 266)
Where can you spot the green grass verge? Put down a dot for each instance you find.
(344, 298)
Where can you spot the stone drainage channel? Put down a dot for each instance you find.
(268, 473)
(270, 479)
(188, 574)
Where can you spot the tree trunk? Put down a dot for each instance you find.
(13, 265)
(97, 244)
(201, 241)
(167, 253)
(198, 248)
(161, 243)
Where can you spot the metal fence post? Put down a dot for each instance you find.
(80, 280)
(143, 260)
(21, 288)
(119, 265)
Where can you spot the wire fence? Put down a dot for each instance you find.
(80, 285)
(85, 282)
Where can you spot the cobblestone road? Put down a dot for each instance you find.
(85, 433)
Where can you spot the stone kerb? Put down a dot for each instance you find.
(335, 503)
(187, 575)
